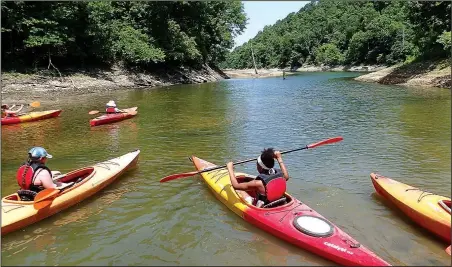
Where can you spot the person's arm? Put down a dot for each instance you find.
(46, 179)
(242, 186)
(21, 107)
(281, 164)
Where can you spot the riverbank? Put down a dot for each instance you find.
(50, 86)
(262, 73)
(427, 73)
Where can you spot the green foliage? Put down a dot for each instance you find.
(349, 32)
(329, 54)
(108, 32)
(445, 40)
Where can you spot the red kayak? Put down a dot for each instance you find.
(31, 116)
(290, 220)
(110, 118)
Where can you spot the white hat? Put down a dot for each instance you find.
(111, 103)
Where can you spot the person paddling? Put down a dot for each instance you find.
(8, 112)
(269, 185)
(34, 175)
(111, 107)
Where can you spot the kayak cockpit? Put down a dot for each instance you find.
(78, 177)
(286, 199)
(445, 204)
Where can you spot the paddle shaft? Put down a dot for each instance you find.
(324, 142)
(187, 174)
(249, 160)
(109, 112)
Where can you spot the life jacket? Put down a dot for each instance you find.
(27, 173)
(275, 186)
(111, 110)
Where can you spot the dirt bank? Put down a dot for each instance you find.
(50, 86)
(428, 73)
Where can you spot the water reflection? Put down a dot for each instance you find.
(403, 133)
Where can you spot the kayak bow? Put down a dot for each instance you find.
(429, 210)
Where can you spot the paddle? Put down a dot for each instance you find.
(34, 104)
(92, 112)
(187, 174)
(45, 198)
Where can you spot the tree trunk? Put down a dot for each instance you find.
(254, 62)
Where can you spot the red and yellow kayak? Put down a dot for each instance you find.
(17, 214)
(429, 210)
(290, 220)
(110, 118)
(31, 116)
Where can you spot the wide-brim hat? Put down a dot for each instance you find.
(111, 103)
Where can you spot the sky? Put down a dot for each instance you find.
(262, 13)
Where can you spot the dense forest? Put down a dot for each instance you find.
(80, 34)
(350, 33)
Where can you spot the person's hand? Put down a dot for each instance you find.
(230, 164)
(277, 155)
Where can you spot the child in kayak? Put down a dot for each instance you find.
(8, 112)
(111, 107)
(269, 185)
(34, 175)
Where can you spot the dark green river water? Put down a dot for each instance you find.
(400, 132)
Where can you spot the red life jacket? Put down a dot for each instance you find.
(275, 186)
(26, 176)
(111, 110)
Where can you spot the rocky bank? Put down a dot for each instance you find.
(427, 73)
(50, 85)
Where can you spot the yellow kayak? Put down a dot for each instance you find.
(31, 116)
(18, 213)
(429, 210)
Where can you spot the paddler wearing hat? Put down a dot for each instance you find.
(111, 107)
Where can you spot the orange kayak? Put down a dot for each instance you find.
(17, 213)
(31, 116)
(429, 210)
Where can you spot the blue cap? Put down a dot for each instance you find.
(39, 152)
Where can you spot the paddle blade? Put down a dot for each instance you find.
(178, 175)
(35, 104)
(45, 198)
(92, 112)
(327, 141)
(448, 250)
